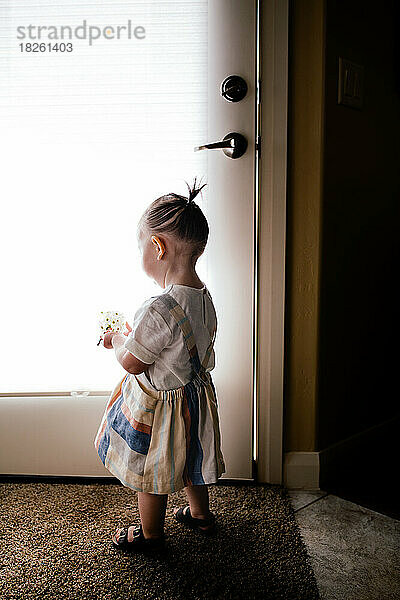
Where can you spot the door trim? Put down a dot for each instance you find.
(270, 240)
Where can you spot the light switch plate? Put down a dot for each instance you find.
(351, 84)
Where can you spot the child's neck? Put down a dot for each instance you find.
(189, 281)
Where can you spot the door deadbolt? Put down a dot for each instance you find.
(233, 88)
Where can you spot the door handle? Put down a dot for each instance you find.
(233, 145)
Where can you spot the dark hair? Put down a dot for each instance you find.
(179, 216)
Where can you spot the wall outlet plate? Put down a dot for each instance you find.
(350, 84)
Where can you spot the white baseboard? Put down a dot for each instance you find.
(308, 470)
(301, 470)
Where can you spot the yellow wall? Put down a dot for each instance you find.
(305, 133)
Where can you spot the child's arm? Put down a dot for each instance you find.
(129, 362)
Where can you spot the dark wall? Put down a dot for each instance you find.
(359, 303)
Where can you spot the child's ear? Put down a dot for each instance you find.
(159, 245)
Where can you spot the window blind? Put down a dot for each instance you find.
(89, 137)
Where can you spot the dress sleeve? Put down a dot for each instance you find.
(149, 336)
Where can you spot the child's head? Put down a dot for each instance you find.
(172, 234)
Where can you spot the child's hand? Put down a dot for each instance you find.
(108, 336)
(129, 328)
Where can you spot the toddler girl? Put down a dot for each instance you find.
(160, 430)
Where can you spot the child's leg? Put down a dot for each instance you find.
(198, 501)
(152, 509)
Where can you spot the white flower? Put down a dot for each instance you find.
(111, 321)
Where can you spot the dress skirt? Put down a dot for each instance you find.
(161, 441)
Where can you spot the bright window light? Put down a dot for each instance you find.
(88, 138)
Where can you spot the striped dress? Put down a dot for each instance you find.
(162, 441)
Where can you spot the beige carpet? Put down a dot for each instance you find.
(56, 543)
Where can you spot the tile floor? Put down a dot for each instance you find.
(355, 551)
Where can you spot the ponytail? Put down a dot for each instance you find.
(193, 191)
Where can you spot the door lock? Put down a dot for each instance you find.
(233, 88)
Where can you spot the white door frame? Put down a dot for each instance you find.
(270, 238)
